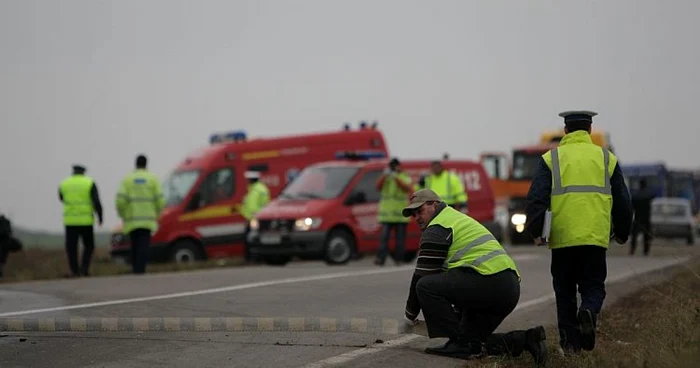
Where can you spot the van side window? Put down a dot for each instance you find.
(218, 186)
(367, 185)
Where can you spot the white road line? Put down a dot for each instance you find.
(214, 290)
(375, 348)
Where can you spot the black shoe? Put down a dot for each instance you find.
(460, 350)
(535, 345)
(585, 319)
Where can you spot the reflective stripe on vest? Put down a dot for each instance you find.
(557, 189)
(478, 241)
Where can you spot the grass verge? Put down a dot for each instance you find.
(45, 264)
(657, 326)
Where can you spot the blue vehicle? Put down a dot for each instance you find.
(665, 182)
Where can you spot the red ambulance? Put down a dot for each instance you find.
(329, 212)
(203, 193)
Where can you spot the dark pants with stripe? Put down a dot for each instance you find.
(482, 303)
(584, 267)
(87, 235)
(140, 243)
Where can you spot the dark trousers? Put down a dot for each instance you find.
(584, 267)
(645, 229)
(73, 234)
(140, 242)
(400, 232)
(482, 303)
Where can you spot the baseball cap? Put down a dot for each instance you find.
(418, 199)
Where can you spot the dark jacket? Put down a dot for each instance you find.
(538, 199)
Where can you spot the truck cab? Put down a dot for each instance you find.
(330, 211)
(202, 218)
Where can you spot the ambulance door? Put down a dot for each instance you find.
(363, 201)
(214, 216)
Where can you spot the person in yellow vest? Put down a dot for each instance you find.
(394, 188)
(81, 201)
(448, 186)
(581, 185)
(257, 197)
(139, 203)
(465, 284)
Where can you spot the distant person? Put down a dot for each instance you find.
(448, 186)
(582, 185)
(8, 243)
(139, 203)
(81, 201)
(641, 202)
(257, 197)
(394, 188)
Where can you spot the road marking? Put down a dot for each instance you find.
(215, 290)
(354, 354)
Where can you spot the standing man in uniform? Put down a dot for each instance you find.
(394, 187)
(448, 186)
(81, 201)
(139, 203)
(256, 198)
(641, 202)
(466, 285)
(582, 185)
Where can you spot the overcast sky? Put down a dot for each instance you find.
(97, 82)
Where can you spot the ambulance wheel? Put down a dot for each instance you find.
(186, 251)
(339, 248)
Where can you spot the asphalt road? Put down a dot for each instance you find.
(235, 308)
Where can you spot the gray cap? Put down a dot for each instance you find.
(418, 199)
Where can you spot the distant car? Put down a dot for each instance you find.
(673, 218)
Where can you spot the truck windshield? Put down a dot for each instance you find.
(319, 183)
(525, 164)
(177, 185)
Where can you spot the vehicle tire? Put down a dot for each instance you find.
(276, 260)
(186, 251)
(517, 238)
(339, 248)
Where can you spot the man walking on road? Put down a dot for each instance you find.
(394, 187)
(139, 204)
(81, 201)
(581, 184)
(641, 201)
(466, 285)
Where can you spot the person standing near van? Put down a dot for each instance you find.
(81, 201)
(641, 201)
(257, 197)
(139, 203)
(394, 187)
(448, 186)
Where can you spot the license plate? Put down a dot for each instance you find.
(270, 238)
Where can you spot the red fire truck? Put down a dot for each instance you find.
(330, 211)
(204, 192)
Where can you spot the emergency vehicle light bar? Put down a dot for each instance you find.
(359, 155)
(234, 136)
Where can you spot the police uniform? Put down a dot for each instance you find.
(393, 197)
(139, 203)
(461, 264)
(257, 197)
(81, 201)
(582, 185)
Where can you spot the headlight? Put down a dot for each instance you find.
(306, 224)
(518, 219)
(254, 224)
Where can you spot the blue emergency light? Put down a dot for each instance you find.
(359, 155)
(235, 136)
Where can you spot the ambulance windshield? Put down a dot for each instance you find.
(319, 183)
(178, 184)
